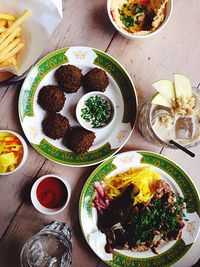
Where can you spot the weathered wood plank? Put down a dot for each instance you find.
(29, 221)
(18, 221)
(73, 30)
(86, 23)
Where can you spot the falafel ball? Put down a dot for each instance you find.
(55, 125)
(79, 139)
(51, 98)
(69, 78)
(95, 80)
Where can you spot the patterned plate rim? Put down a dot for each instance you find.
(112, 151)
(179, 242)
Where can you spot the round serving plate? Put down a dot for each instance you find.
(168, 252)
(121, 90)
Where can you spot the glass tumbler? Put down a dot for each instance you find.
(51, 247)
(145, 121)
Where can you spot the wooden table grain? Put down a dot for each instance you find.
(85, 23)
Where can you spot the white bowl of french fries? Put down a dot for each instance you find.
(10, 38)
(25, 30)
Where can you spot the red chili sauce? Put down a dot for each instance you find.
(52, 193)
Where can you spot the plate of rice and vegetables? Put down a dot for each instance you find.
(139, 209)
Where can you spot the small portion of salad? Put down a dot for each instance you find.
(11, 152)
(138, 210)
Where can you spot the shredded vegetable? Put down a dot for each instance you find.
(101, 200)
(11, 152)
(143, 178)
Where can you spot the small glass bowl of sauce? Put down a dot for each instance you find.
(50, 194)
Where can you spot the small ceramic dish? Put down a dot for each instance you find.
(50, 194)
(169, 8)
(25, 152)
(81, 106)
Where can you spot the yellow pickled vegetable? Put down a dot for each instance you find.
(143, 178)
(11, 152)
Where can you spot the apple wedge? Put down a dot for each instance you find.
(165, 88)
(182, 85)
(158, 99)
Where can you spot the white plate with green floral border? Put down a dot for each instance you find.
(169, 252)
(121, 90)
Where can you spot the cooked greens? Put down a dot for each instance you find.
(145, 225)
(158, 217)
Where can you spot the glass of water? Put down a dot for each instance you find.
(159, 124)
(51, 247)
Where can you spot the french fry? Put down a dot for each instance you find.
(3, 22)
(7, 16)
(6, 63)
(18, 34)
(11, 46)
(9, 62)
(13, 60)
(10, 22)
(14, 26)
(13, 52)
(10, 38)
(2, 29)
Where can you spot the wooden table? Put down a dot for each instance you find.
(85, 22)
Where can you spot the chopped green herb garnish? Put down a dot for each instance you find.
(128, 21)
(157, 217)
(140, 9)
(97, 111)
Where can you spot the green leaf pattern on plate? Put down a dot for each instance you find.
(124, 83)
(43, 68)
(179, 176)
(71, 158)
(165, 259)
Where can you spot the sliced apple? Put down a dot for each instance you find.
(182, 85)
(165, 88)
(158, 99)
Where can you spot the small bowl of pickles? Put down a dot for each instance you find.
(13, 152)
(95, 111)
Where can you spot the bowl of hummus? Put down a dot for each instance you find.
(138, 19)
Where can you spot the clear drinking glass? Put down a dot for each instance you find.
(51, 247)
(186, 125)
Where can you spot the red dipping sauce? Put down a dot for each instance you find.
(52, 193)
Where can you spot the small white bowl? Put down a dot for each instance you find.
(25, 152)
(36, 202)
(128, 35)
(81, 105)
